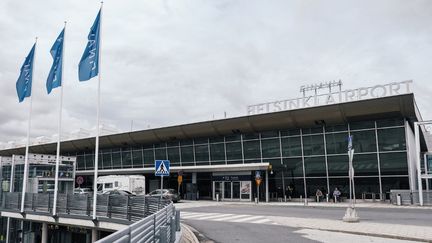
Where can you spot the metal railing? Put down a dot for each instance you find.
(160, 227)
(129, 208)
(407, 197)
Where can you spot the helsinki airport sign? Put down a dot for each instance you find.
(329, 98)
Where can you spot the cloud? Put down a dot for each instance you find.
(171, 62)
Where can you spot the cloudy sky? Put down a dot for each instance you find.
(167, 62)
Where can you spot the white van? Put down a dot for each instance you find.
(131, 183)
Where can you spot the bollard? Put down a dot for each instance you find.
(163, 234)
(398, 199)
(285, 198)
(217, 197)
(327, 197)
(173, 228)
(177, 220)
(256, 200)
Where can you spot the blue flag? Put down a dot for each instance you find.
(24, 82)
(55, 74)
(89, 64)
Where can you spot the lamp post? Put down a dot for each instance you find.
(351, 213)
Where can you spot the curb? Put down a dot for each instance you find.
(187, 235)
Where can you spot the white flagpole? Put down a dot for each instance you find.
(97, 114)
(56, 180)
(26, 165)
(11, 189)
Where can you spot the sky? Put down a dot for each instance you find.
(170, 62)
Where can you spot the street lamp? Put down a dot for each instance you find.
(351, 213)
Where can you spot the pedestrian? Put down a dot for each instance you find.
(290, 191)
(336, 194)
(318, 195)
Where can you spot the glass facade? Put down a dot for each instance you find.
(316, 156)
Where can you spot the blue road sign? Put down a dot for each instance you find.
(162, 167)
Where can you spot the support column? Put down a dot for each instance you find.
(417, 145)
(194, 182)
(267, 191)
(44, 233)
(94, 235)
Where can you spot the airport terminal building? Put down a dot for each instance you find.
(297, 145)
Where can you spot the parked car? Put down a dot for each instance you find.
(170, 194)
(83, 190)
(118, 192)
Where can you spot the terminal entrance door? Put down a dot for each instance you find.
(232, 190)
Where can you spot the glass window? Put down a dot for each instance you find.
(137, 158)
(312, 130)
(365, 164)
(270, 148)
(127, 159)
(338, 165)
(174, 155)
(149, 159)
(201, 153)
(366, 185)
(201, 140)
(294, 187)
(186, 142)
(233, 151)
(315, 166)
(270, 134)
(364, 141)
(391, 122)
(337, 143)
(116, 160)
(187, 154)
(361, 125)
(394, 183)
(80, 162)
(106, 161)
(250, 136)
(291, 132)
(89, 160)
(391, 139)
(217, 152)
(217, 139)
(251, 149)
(173, 143)
(160, 154)
(393, 163)
(312, 184)
(293, 167)
(313, 145)
(233, 137)
(291, 146)
(336, 128)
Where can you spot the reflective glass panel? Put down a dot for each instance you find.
(391, 139)
(217, 152)
(337, 143)
(251, 149)
(270, 148)
(364, 141)
(233, 151)
(291, 146)
(313, 145)
(315, 166)
(394, 163)
(293, 167)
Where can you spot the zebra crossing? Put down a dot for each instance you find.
(226, 217)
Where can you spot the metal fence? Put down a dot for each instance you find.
(129, 208)
(407, 197)
(160, 227)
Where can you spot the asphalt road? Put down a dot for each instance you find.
(237, 232)
(242, 231)
(422, 217)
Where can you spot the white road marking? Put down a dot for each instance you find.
(221, 217)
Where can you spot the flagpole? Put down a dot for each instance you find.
(25, 176)
(97, 115)
(56, 180)
(11, 189)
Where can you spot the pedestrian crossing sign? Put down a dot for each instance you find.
(162, 167)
